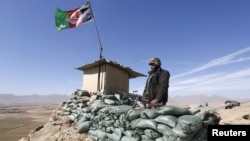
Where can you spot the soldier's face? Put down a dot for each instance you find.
(152, 66)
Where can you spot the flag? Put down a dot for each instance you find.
(73, 18)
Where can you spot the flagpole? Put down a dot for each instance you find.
(100, 55)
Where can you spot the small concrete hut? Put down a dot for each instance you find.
(107, 77)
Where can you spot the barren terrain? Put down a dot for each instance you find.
(17, 120)
(237, 115)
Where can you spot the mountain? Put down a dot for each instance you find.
(197, 100)
(58, 98)
(39, 99)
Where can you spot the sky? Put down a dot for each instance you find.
(205, 44)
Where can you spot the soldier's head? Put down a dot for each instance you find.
(154, 63)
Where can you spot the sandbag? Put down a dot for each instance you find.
(118, 110)
(175, 111)
(200, 135)
(101, 135)
(151, 134)
(109, 129)
(187, 126)
(126, 138)
(144, 123)
(165, 130)
(159, 139)
(106, 123)
(116, 135)
(109, 96)
(97, 105)
(84, 127)
(189, 123)
(145, 138)
(128, 133)
(81, 93)
(170, 138)
(84, 99)
(110, 101)
(167, 119)
(84, 117)
(149, 113)
(133, 114)
(104, 110)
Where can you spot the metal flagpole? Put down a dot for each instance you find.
(100, 55)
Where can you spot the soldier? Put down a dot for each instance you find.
(157, 84)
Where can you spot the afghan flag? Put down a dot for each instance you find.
(73, 18)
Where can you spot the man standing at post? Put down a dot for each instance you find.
(157, 84)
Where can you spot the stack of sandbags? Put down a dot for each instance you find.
(77, 105)
(107, 118)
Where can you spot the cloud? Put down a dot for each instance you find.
(228, 83)
(224, 83)
(235, 80)
(230, 58)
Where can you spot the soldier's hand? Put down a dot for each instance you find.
(152, 103)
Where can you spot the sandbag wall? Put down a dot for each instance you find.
(108, 119)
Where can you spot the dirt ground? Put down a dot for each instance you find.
(237, 115)
(17, 120)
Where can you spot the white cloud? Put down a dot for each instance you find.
(230, 84)
(230, 58)
(224, 83)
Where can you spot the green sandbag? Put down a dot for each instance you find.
(175, 111)
(128, 133)
(187, 126)
(109, 129)
(101, 135)
(97, 105)
(149, 113)
(85, 116)
(84, 127)
(126, 138)
(151, 134)
(144, 123)
(171, 138)
(109, 96)
(133, 114)
(104, 110)
(81, 93)
(189, 123)
(93, 135)
(165, 130)
(109, 101)
(200, 135)
(159, 139)
(107, 123)
(167, 119)
(118, 110)
(145, 138)
(84, 99)
(116, 135)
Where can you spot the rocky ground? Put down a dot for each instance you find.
(62, 129)
(52, 128)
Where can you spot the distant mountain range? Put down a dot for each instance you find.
(40, 99)
(213, 100)
(197, 100)
(58, 98)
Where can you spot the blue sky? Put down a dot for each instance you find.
(205, 44)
